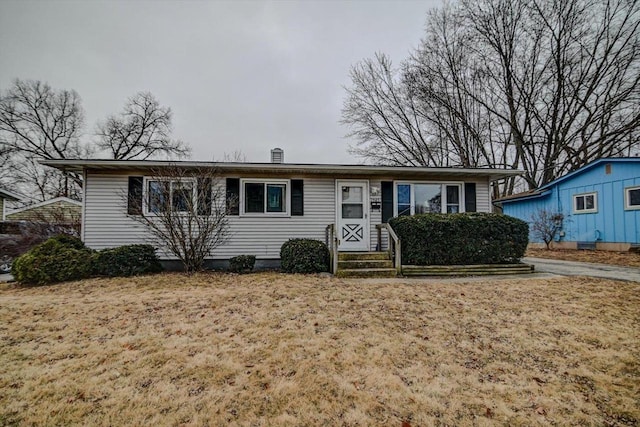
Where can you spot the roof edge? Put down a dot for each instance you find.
(8, 195)
(44, 203)
(589, 166)
(517, 198)
(80, 165)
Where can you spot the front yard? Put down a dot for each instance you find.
(271, 349)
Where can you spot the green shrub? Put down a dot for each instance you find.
(59, 259)
(304, 256)
(242, 263)
(458, 239)
(126, 261)
(69, 241)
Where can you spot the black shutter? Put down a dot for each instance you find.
(297, 197)
(387, 200)
(134, 196)
(233, 196)
(204, 196)
(469, 196)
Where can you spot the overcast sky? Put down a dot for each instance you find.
(245, 76)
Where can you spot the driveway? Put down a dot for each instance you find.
(572, 268)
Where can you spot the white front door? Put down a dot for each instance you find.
(353, 215)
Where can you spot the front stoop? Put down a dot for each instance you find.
(365, 264)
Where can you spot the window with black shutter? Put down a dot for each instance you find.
(387, 200)
(470, 197)
(233, 196)
(297, 197)
(134, 195)
(204, 196)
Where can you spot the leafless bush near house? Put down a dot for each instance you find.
(546, 225)
(183, 211)
(17, 237)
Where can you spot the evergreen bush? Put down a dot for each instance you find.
(59, 259)
(461, 239)
(304, 256)
(124, 261)
(242, 263)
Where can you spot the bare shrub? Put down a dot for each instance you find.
(545, 225)
(184, 212)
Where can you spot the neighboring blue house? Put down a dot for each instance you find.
(600, 203)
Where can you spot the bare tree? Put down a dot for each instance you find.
(184, 212)
(385, 119)
(38, 122)
(545, 225)
(443, 74)
(6, 170)
(568, 74)
(44, 182)
(542, 85)
(141, 131)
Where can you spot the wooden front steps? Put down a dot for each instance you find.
(365, 264)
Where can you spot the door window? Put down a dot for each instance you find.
(352, 202)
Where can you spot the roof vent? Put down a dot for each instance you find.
(277, 155)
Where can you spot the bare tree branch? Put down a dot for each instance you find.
(141, 131)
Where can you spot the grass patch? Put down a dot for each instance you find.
(624, 259)
(271, 349)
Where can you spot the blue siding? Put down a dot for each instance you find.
(611, 223)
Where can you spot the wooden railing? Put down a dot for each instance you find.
(331, 241)
(395, 248)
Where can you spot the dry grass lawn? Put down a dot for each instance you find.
(271, 349)
(625, 259)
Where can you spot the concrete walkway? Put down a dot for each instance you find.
(573, 268)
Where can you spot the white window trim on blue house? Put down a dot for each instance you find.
(627, 198)
(584, 197)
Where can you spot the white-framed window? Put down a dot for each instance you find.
(162, 194)
(585, 203)
(413, 198)
(264, 197)
(632, 197)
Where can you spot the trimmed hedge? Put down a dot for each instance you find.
(461, 239)
(126, 261)
(59, 259)
(242, 263)
(304, 256)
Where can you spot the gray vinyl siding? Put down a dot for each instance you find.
(105, 221)
(107, 225)
(483, 199)
(263, 236)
